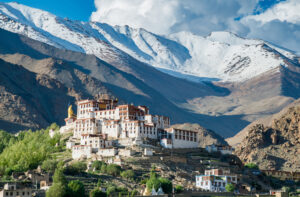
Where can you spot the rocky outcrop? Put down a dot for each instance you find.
(276, 146)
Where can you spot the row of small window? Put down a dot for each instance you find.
(105, 113)
(85, 129)
(185, 133)
(17, 193)
(216, 184)
(87, 105)
(186, 138)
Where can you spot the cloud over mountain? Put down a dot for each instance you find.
(278, 23)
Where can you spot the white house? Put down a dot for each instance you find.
(79, 151)
(179, 138)
(215, 180)
(221, 148)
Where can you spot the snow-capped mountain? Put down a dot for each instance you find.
(221, 55)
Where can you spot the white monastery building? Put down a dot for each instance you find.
(100, 124)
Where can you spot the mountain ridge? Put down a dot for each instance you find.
(236, 56)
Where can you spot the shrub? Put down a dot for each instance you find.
(76, 189)
(57, 190)
(166, 185)
(49, 165)
(128, 174)
(97, 165)
(103, 168)
(229, 187)
(97, 193)
(59, 177)
(75, 168)
(251, 166)
(134, 193)
(113, 169)
(110, 190)
(153, 183)
(178, 189)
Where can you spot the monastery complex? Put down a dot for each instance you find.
(102, 126)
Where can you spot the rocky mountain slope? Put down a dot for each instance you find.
(73, 71)
(275, 144)
(235, 80)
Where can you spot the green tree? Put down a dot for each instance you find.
(113, 169)
(178, 189)
(6, 139)
(49, 165)
(153, 183)
(111, 190)
(27, 150)
(134, 193)
(97, 165)
(97, 193)
(59, 177)
(59, 187)
(128, 174)
(230, 187)
(251, 165)
(103, 168)
(166, 185)
(57, 190)
(76, 189)
(75, 168)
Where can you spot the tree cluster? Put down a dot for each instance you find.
(27, 150)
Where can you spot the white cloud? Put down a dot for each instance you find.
(287, 11)
(165, 16)
(154, 15)
(279, 24)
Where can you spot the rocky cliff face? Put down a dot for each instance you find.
(276, 146)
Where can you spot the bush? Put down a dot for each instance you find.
(229, 187)
(76, 189)
(113, 170)
(75, 168)
(49, 165)
(153, 183)
(97, 165)
(110, 190)
(128, 174)
(178, 189)
(134, 193)
(251, 166)
(97, 193)
(57, 190)
(166, 185)
(59, 177)
(103, 168)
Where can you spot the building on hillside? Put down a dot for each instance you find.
(223, 149)
(215, 180)
(16, 190)
(283, 175)
(102, 124)
(179, 138)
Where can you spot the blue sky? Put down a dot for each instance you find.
(73, 9)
